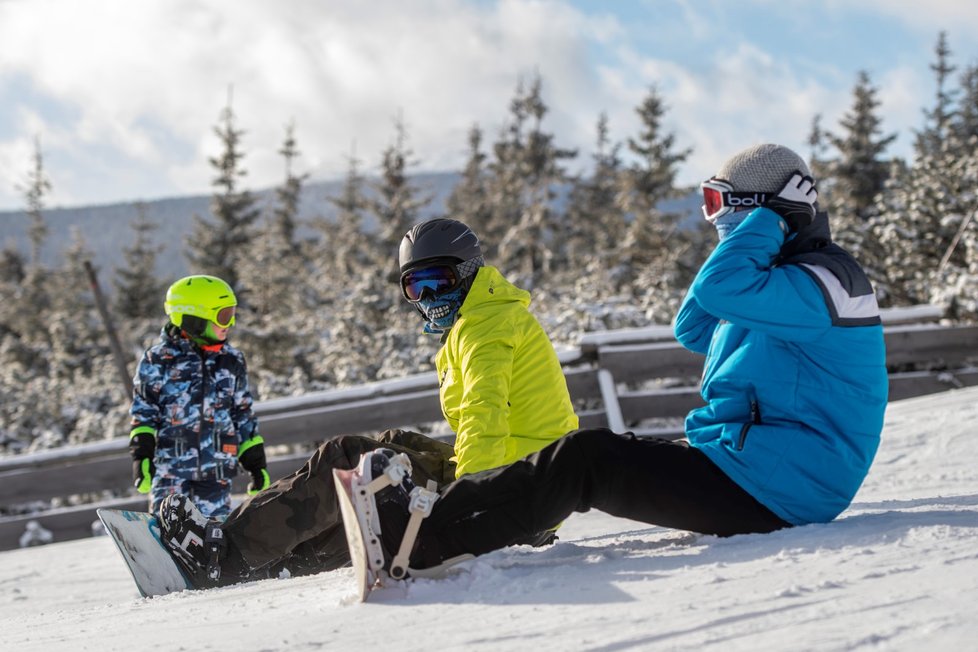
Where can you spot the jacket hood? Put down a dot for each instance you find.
(490, 287)
(813, 245)
(813, 237)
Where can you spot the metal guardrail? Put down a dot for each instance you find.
(598, 373)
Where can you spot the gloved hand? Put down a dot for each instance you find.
(795, 203)
(142, 447)
(253, 460)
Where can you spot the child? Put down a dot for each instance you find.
(192, 418)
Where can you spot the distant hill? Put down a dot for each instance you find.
(106, 229)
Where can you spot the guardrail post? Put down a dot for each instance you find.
(609, 394)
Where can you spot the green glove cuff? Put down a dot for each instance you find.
(250, 443)
(265, 482)
(141, 429)
(144, 485)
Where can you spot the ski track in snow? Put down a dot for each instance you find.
(897, 571)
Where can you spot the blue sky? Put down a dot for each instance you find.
(124, 95)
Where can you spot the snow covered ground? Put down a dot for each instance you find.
(898, 571)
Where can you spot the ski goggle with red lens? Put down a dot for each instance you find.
(224, 317)
(719, 198)
(434, 280)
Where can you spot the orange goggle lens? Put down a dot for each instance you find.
(225, 316)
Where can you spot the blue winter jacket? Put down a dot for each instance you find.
(197, 404)
(795, 378)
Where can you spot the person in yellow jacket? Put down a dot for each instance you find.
(501, 386)
(501, 389)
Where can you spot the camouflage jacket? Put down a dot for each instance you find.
(196, 403)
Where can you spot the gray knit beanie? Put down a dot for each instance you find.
(761, 168)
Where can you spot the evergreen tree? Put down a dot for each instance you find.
(854, 178)
(217, 247)
(37, 189)
(535, 238)
(139, 292)
(964, 127)
(13, 267)
(505, 186)
(344, 266)
(286, 213)
(272, 326)
(398, 204)
(345, 247)
(363, 319)
(818, 159)
(469, 199)
(24, 311)
(860, 169)
(926, 215)
(654, 245)
(597, 224)
(955, 281)
(930, 140)
(77, 335)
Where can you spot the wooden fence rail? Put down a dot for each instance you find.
(624, 379)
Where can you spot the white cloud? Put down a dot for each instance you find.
(125, 94)
(743, 97)
(342, 71)
(956, 16)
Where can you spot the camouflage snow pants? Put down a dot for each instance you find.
(296, 522)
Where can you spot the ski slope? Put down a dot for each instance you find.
(897, 571)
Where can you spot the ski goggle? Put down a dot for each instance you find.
(719, 198)
(224, 317)
(434, 279)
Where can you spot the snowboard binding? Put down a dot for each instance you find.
(197, 544)
(390, 508)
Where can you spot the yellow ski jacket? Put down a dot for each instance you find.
(501, 386)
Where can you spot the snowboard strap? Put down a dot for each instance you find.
(214, 543)
(422, 502)
(394, 474)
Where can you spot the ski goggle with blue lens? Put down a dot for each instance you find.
(433, 280)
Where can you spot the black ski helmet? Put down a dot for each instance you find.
(438, 239)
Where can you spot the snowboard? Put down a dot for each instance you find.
(137, 536)
(355, 527)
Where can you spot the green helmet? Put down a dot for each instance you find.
(200, 297)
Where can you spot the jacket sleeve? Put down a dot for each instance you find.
(243, 414)
(738, 284)
(486, 366)
(146, 386)
(693, 326)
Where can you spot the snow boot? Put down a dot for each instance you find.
(195, 542)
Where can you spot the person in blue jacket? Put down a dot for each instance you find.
(794, 381)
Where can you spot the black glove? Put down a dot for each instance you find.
(795, 203)
(253, 461)
(142, 447)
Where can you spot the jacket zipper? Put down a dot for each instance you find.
(755, 418)
(200, 425)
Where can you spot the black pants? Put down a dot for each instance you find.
(296, 522)
(650, 480)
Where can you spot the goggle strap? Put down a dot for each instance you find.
(470, 267)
